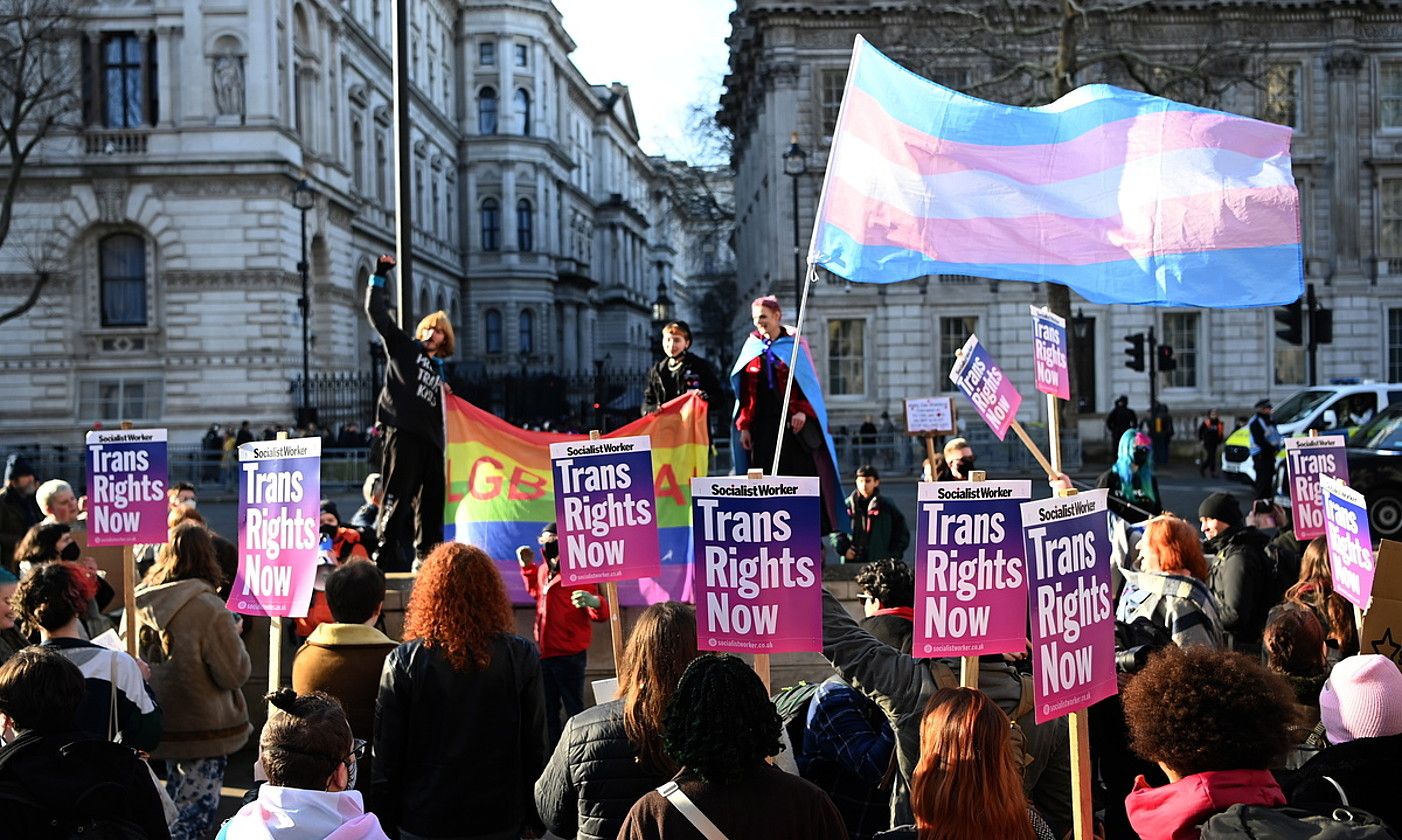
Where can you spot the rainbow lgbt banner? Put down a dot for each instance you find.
(501, 493)
(1123, 196)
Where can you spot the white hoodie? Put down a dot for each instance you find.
(281, 813)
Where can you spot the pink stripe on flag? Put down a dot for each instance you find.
(1106, 146)
(1189, 224)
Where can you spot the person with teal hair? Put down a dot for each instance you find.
(1134, 492)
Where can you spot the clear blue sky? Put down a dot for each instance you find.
(670, 54)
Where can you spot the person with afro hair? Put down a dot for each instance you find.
(721, 728)
(1215, 722)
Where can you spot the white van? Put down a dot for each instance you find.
(1342, 405)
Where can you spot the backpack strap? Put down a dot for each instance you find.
(688, 809)
(1343, 797)
(1025, 702)
(943, 674)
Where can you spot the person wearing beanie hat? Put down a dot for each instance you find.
(19, 510)
(1240, 574)
(1361, 711)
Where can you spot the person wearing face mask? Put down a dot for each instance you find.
(410, 409)
(1134, 491)
(311, 761)
(18, 509)
(339, 546)
(50, 541)
(959, 461)
(562, 616)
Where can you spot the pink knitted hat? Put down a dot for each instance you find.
(1362, 699)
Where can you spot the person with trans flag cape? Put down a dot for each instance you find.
(758, 379)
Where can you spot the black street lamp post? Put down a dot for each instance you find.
(795, 166)
(304, 198)
(661, 313)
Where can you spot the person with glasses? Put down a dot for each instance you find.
(311, 762)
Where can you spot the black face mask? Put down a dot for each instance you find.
(1141, 457)
(329, 532)
(965, 465)
(70, 552)
(550, 550)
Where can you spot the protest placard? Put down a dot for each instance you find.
(605, 510)
(127, 480)
(1350, 542)
(930, 416)
(1306, 459)
(982, 381)
(759, 564)
(970, 569)
(1381, 632)
(1073, 626)
(1049, 353)
(279, 527)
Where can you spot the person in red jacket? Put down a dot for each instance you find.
(562, 616)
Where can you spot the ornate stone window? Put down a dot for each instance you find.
(954, 331)
(491, 225)
(525, 334)
(1280, 94)
(122, 280)
(847, 356)
(525, 239)
(1390, 94)
(121, 80)
(491, 330)
(487, 111)
(1180, 331)
(522, 112)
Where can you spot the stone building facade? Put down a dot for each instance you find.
(166, 224)
(1331, 70)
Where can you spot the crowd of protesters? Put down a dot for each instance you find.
(1243, 690)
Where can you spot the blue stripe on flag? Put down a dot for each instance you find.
(1264, 276)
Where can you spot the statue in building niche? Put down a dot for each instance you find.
(228, 85)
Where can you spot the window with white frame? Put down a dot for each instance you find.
(1289, 362)
(1280, 94)
(487, 53)
(114, 399)
(1180, 331)
(491, 331)
(954, 331)
(522, 52)
(121, 266)
(847, 356)
(1390, 94)
(1390, 219)
(833, 81)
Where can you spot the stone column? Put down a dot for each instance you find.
(1342, 64)
(569, 329)
(508, 208)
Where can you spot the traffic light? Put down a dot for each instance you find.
(1135, 352)
(1292, 323)
(1322, 327)
(1166, 360)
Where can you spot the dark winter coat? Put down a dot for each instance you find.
(1120, 499)
(412, 397)
(457, 752)
(666, 382)
(45, 779)
(1367, 771)
(594, 777)
(18, 513)
(1241, 577)
(1284, 552)
(879, 529)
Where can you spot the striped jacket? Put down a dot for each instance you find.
(138, 718)
(1183, 605)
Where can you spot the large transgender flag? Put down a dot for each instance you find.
(1123, 196)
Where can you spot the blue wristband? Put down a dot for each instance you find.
(377, 281)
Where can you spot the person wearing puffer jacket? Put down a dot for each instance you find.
(309, 756)
(198, 668)
(611, 755)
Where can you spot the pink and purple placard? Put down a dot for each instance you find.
(1306, 459)
(758, 573)
(279, 527)
(1351, 560)
(1049, 353)
(127, 480)
(970, 569)
(983, 383)
(1069, 593)
(605, 511)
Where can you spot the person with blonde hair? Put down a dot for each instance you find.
(410, 410)
(460, 718)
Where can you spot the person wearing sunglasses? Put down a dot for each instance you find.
(310, 759)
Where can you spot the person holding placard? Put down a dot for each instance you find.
(759, 379)
(1134, 491)
(411, 410)
(562, 629)
(1315, 589)
(679, 371)
(959, 461)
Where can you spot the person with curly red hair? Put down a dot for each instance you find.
(460, 718)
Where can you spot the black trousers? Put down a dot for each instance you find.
(414, 493)
(1265, 475)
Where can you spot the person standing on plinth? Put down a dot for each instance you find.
(411, 410)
